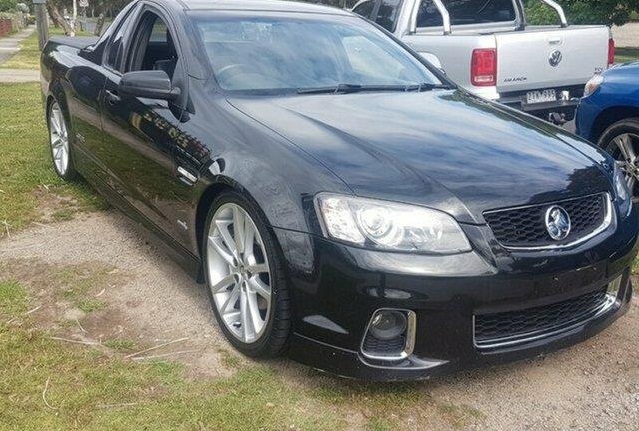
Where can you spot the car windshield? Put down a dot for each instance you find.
(286, 52)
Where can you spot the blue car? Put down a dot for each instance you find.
(608, 115)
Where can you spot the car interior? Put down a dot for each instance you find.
(153, 47)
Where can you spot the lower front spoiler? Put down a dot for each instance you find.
(351, 364)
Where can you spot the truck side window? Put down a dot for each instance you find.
(467, 12)
(154, 48)
(387, 14)
(365, 9)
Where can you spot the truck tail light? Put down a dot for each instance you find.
(611, 52)
(483, 67)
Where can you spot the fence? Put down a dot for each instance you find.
(10, 22)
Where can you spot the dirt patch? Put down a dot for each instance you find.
(150, 301)
(99, 280)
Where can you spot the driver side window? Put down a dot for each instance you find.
(153, 47)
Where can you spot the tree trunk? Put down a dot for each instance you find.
(99, 26)
(58, 19)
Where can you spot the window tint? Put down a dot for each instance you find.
(387, 13)
(365, 9)
(467, 12)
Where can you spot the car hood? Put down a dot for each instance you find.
(443, 149)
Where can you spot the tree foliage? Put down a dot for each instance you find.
(8, 5)
(608, 12)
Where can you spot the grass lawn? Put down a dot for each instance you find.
(29, 55)
(28, 180)
(623, 55)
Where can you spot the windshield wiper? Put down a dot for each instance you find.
(354, 88)
(427, 86)
(339, 88)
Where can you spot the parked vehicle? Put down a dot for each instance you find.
(487, 47)
(608, 115)
(344, 203)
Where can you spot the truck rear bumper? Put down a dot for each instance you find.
(561, 110)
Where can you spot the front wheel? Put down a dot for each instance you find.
(60, 143)
(621, 140)
(245, 279)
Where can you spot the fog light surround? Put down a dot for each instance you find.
(615, 286)
(389, 335)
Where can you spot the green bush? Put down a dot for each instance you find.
(608, 12)
(7, 5)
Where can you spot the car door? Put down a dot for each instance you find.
(140, 133)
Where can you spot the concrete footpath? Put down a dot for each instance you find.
(9, 46)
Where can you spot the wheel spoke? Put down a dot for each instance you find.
(256, 318)
(249, 242)
(247, 325)
(229, 242)
(56, 142)
(260, 287)
(257, 268)
(223, 283)
(624, 143)
(55, 121)
(231, 300)
(238, 229)
(218, 247)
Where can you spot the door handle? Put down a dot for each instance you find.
(111, 97)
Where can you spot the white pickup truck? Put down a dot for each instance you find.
(487, 47)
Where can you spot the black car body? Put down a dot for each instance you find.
(512, 293)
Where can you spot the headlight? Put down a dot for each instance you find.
(623, 193)
(390, 226)
(593, 84)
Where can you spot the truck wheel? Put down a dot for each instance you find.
(60, 143)
(245, 278)
(621, 140)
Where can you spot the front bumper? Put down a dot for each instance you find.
(337, 288)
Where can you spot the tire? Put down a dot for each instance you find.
(621, 140)
(60, 142)
(235, 284)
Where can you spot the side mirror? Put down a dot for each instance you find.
(154, 84)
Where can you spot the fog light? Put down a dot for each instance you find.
(388, 324)
(390, 335)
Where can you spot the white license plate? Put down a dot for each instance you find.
(541, 96)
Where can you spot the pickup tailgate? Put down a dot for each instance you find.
(543, 57)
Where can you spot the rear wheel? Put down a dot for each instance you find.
(621, 140)
(245, 278)
(60, 143)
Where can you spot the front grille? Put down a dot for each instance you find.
(526, 226)
(512, 327)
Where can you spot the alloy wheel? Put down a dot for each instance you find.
(239, 274)
(59, 139)
(625, 151)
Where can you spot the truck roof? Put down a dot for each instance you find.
(260, 5)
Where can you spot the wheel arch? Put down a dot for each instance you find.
(610, 116)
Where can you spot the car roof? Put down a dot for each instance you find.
(262, 5)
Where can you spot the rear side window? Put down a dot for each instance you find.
(463, 12)
(365, 9)
(387, 13)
